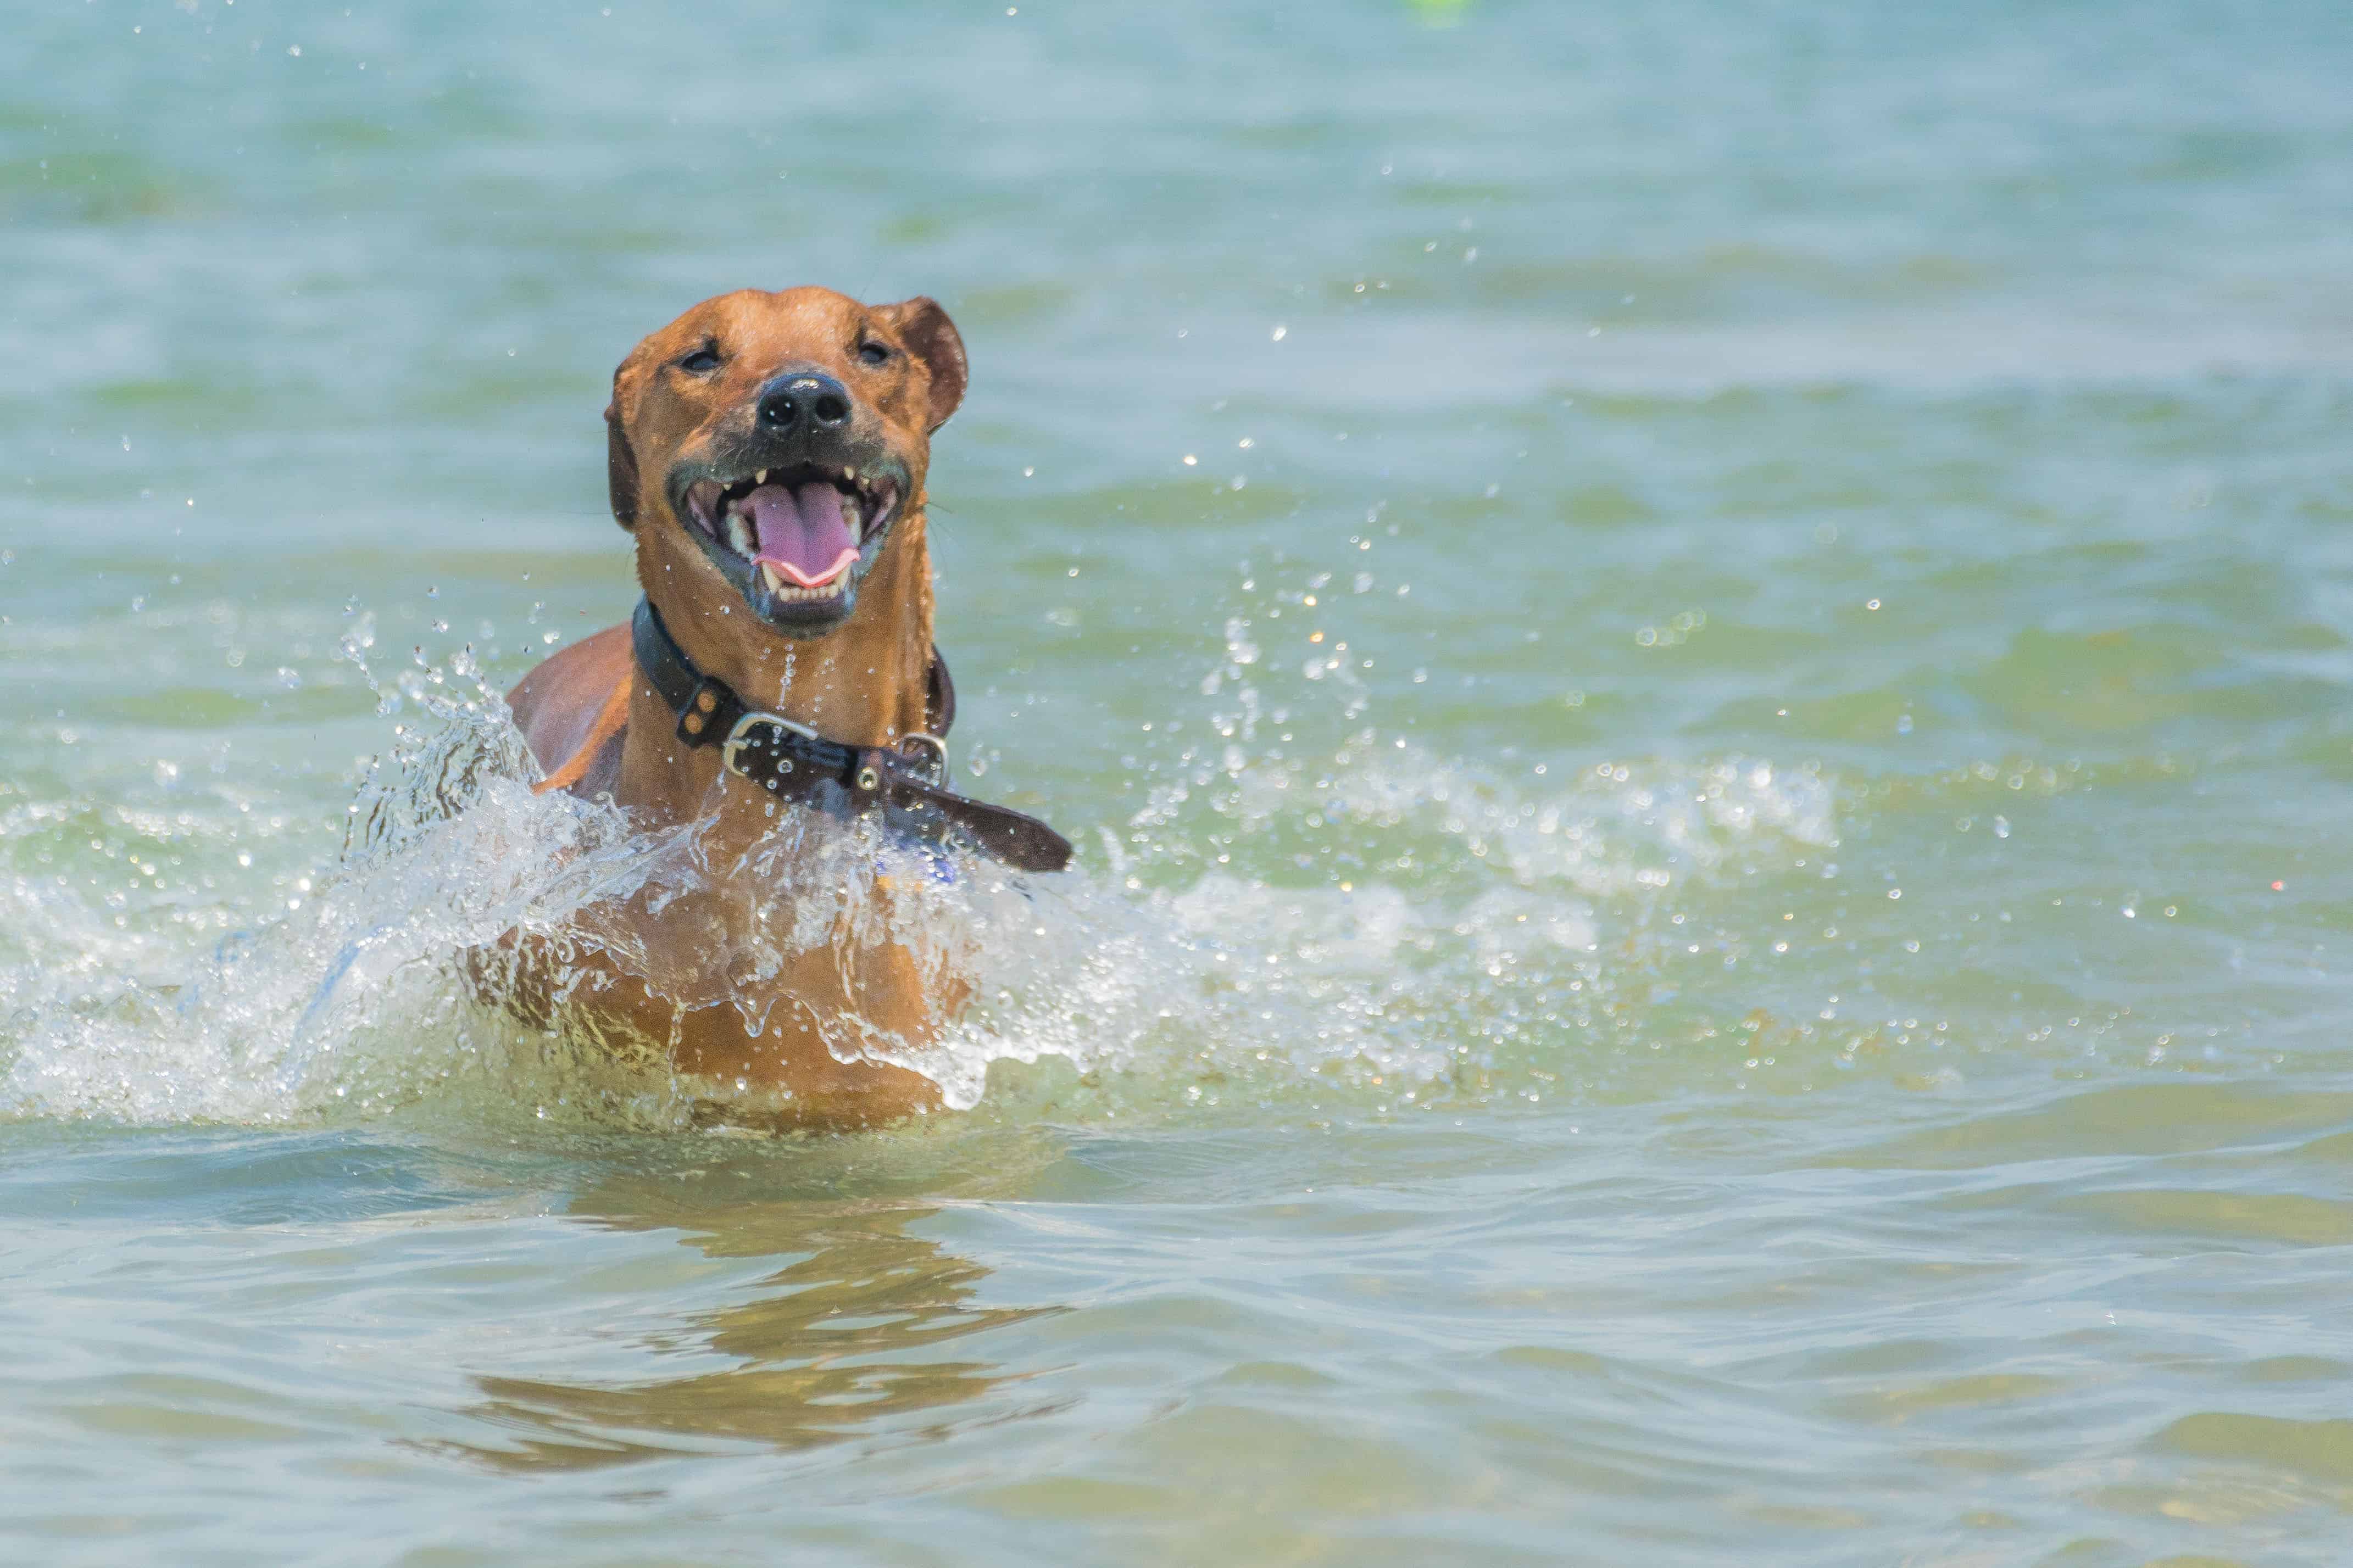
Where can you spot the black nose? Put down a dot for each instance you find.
(803, 398)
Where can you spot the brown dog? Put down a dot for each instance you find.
(769, 452)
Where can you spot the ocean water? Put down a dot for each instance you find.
(1699, 653)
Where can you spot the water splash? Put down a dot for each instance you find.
(1372, 920)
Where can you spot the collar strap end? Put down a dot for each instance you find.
(791, 760)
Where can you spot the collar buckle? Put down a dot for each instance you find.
(741, 736)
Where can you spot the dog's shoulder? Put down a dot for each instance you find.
(572, 703)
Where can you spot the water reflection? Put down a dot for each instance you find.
(829, 1348)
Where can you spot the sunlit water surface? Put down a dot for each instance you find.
(1700, 661)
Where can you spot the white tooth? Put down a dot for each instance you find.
(850, 474)
(776, 578)
(761, 478)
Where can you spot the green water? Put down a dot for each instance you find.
(1699, 653)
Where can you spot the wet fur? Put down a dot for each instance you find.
(598, 728)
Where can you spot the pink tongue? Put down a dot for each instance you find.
(802, 532)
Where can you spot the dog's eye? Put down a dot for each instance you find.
(705, 358)
(873, 354)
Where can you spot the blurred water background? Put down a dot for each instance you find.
(1699, 652)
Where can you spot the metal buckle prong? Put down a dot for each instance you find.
(740, 736)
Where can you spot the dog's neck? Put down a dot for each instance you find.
(862, 685)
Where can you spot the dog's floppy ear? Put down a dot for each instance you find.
(930, 337)
(620, 462)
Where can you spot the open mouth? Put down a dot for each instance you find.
(798, 538)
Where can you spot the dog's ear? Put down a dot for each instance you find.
(930, 337)
(620, 462)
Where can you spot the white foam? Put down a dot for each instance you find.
(1431, 910)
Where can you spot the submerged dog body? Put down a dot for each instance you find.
(769, 451)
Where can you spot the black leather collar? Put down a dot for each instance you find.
(793, 762)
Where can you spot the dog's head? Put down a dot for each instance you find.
(773, 442)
